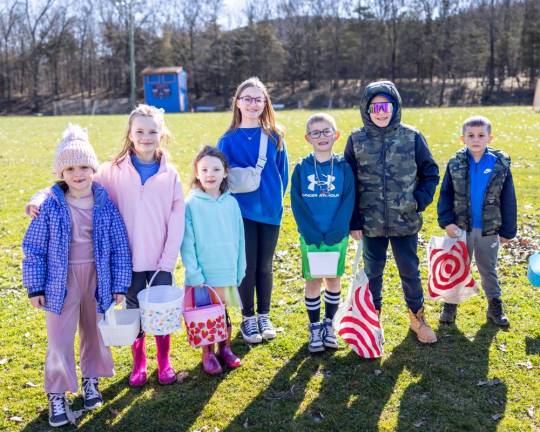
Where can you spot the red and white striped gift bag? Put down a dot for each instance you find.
(357, 321)
(450, 276)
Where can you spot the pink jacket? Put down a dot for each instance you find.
(153, 212)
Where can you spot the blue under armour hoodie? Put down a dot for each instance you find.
(322, 199)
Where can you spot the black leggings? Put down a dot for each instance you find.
(261, 241)
(138, 283)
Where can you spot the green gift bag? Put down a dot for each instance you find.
(323, 261)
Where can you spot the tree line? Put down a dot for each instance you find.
(53, 49)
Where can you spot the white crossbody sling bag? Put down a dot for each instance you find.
(248, 179)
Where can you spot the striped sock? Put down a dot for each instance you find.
(313, 306)
(331, 303)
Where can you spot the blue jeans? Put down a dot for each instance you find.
(405, 254)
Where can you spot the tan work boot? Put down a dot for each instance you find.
(423, 331)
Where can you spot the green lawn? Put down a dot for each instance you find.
(476, 377)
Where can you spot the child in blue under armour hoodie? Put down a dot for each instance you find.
(322, 200)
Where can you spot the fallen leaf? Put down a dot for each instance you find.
(181, 377)
(530, 412)
(114, 412)
(31, 384)
(280, 330)
(16, 419)
(419, 423)
(246, 423)
(318, 416)
(494, 382)
(377, 372)
(502, 347)
(490, 383)
(4, 361)
(527, 365)
(496, 417)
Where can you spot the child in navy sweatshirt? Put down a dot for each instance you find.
(322, 200)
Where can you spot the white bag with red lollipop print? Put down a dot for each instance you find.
(450, 276)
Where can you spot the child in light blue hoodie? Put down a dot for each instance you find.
(213, 249)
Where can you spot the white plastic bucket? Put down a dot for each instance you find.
(161, 308)
(120, 327)
(323, 264)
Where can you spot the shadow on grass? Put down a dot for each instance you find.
(441, 387)
(448, 389)
(151, 408)
(532, 345)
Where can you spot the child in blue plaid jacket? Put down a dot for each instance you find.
(76, 263)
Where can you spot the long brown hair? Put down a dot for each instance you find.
(144, 111)
(268, 116)
(214, 152)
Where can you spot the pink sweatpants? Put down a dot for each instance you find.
(79, 308)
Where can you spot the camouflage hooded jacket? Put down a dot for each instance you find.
(395, 174)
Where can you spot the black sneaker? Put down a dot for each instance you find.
(495, 312)
(91, 395)
(250, 330)
(57, 409)
(448, 314)
(315, 338)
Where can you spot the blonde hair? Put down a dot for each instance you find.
(267, 117)
(321, 117)
(157, 114)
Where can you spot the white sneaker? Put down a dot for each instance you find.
(265, 327)
(250, 330)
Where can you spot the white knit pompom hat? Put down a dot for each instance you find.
(74, 149)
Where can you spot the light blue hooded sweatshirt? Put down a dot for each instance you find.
(213, 249)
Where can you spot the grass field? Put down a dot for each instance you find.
(476, 377)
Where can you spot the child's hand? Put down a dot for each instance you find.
(356, 234)
(119, 298)
(453, 230)
(38, 301)
(32, 210)
(504, 240)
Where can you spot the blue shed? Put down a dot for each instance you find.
(166, 87)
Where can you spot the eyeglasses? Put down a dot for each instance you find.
(318, 133)
(377, 107)
(248, 100)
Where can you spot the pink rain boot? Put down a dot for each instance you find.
(210, 363)
(166, 374)
(138, 373)
(225, 353)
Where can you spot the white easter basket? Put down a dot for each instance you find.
(119, 327)
(161, 308)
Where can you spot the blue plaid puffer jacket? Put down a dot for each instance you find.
(46, 246)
